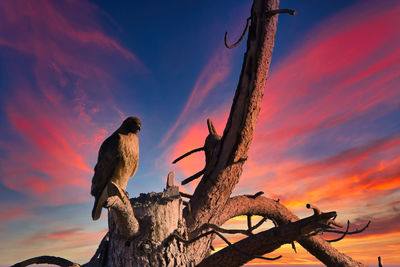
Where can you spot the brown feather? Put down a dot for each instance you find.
(117, 161)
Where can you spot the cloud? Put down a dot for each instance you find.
(326, 132)
(350, 156)
(212, 75)
(59, 99)
(68, 243)
(363, 174)
(11, 212)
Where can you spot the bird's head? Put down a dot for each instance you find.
(131, 125)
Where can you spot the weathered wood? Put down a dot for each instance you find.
(46, 260)
(229, 155)
(170, 180)
(118, 202)
(266, 241)
(262, 206)
(152, 230)
(216, 187)
(159, 215)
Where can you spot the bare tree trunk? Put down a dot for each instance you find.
(262, 206)
(217, 184)
(159, 216)
(154, 230)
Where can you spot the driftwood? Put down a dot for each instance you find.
(155, 230)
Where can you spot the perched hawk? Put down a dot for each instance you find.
(117, 162)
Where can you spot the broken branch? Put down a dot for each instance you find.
(120, 204)
(46, 260)
(281, 11)
(188, 153)
(241, 36)
(275, 211)
(193, 177)
(350, 233)
(344, 234)
(266, 241)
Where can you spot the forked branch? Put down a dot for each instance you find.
(266, 241)
(275, 211)
(210, 143)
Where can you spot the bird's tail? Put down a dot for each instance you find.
(98, 204)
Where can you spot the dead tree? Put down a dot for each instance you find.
(155, 230)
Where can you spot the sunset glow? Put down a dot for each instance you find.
(328, 131)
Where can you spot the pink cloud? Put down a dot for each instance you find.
(332, 78)
(11, 212)
(346, 71)
(68, 238)
(57, 96)
(213, 74)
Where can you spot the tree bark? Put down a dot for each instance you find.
(154, 229)
(229, 154)
(266, 241)
(262, 206)
(216, 186)
(159, 215)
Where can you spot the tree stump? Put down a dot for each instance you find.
(155, 230)
(159, 215)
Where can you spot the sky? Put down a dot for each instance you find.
(328, 131)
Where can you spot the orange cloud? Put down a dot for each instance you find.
(330, 90)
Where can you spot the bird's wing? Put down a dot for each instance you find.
(108, 159)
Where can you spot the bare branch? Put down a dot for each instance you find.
(344, 234)
(241, 36)
(181, 239)
(316, 245)
(259, 193)
(185, 195)
(350, 233)
(221, 175)
(294, 247)
(281, 11)
(193, 177)
(120, 204)
(188, 153)
(316, 210)
(101, 252)
(46, 260)
(266, 241)
(244, 253)
(249, 222)
(228, 231)
(380, 262)
(211, 128)
(258, 224)
(225, 231)
(333, 222)
(192, 240)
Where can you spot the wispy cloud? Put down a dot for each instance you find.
(58, 97)
(326, 132)
(213, 74)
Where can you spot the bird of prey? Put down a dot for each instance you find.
(117, 161)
